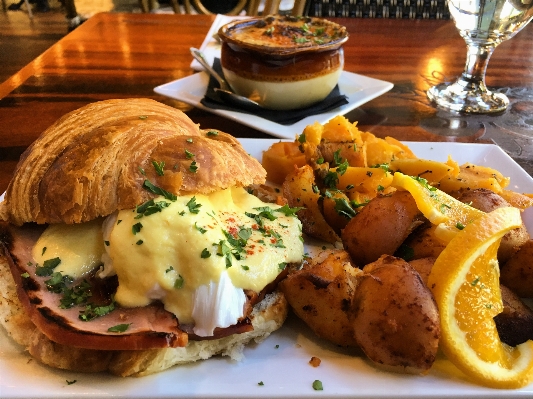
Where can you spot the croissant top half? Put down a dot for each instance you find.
(102, 157)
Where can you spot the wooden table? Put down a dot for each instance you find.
(127, 55)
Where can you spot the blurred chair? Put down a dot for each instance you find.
(228, 7)
(412, 9)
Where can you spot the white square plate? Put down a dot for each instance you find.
(281, 362)
(358, 88)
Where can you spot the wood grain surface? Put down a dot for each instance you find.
(116, 55)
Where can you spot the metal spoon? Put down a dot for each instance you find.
(224, 91)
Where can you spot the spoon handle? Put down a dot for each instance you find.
(199, 56)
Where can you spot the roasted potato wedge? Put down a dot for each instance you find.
(486, 201)
(421, 243)
(395, 317)
(320, 294)
(381, 227)
(515, 323)
(298, 190)
(517, 272)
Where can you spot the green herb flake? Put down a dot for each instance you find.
(212, 133)
(143, 117)
(141, 170)
(205, 254)
(188, 154)
(244, 267)
(288, 211)
(139, 242)
(193, 168)
(277, 346)
(159, 191)
(159, 166)
(71, 382)
(25, 275)
(136, 228)
(301, 138)
(317, 385)
(343, 208)
(193, 206)
(282, 265)
(179, 282)
(320, 161)
(48, 267)
(44, 250)
(199, 228)
(261, 383)
(170, 268)
(189, 140)
(459, 226)
(119, 328)
(475, 282)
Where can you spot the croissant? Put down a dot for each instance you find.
(99, 158)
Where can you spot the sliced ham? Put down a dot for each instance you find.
(149, 327)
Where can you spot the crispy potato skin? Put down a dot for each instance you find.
(320, 294)
(381, 227)
(515, 323)
(486, 201)
(517, 272)
(422, 243)
(298, 190)
(423, 266)
(396, 320)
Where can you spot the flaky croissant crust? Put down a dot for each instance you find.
(96, 159)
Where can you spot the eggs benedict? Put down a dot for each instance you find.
(132, 245)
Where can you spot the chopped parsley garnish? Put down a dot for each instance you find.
(48, 267)
(170, 268)
(159, 191)
(260, 383)
(136, 228)
(212, 133)
(343, 208)
(141, 170)
(159, 166)
(44, 250)
(193, 167)
(189, 140)
(332, 179)
(179, 282)
(57, 282)
(244, 267)
(71, 382)
(317, 385)
(189, 154)
(460, 226)
(320, 161)
(205, 254)
(92, 312)
(193, 206)
(301, 138)
(380, 188)
(75, 296)
(139, 242)
(199, 228)
(476, 280)
(297, 39)
(25, 275)
(288, 211)
(282, 265)
(106, 243)
(150, 207)
(119, 328)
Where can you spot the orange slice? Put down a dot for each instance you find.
(465, 283)
(441, 209)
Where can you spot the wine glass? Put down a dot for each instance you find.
(483, 24)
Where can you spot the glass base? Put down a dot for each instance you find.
(474, 100)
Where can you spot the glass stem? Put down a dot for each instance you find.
(477, 60)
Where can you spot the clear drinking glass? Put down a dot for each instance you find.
(483, 24)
